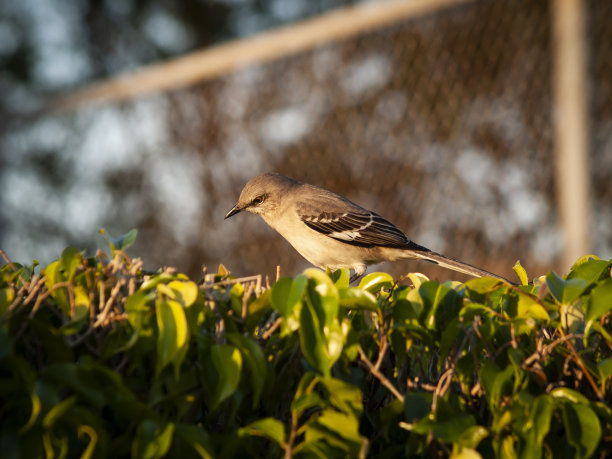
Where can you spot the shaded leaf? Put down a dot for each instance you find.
(565, 291)
(582, 428)
(228, 363)
(153, 439)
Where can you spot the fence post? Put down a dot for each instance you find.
(570, 119)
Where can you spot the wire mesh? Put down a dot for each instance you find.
(441, 123)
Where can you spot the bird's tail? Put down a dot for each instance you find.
(456, 265)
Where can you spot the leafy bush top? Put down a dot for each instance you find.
(98, 357)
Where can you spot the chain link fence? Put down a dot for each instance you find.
(442, 123)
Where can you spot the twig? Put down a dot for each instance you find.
(447, 376)
(540, 354)
(245, 300)
(584, 369)
(384, 381)
(39, 283)
(109, 302)
(270, 331)
(11, 264)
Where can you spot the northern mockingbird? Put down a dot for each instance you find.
(332, 232)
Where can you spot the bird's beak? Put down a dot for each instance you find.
(234, 211)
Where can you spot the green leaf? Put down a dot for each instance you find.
(305, 402)
(341, 278)
(355, 298)
(269, 428)
(122, 242)
(323, 294)
(417, 405)
(58, 411)
(197, 438)
(496, 382)
(373, 282)
(417, 279)
(572, 317)
(448, 429)
(173, 335)
(70, 260)
(186, 292)
(390, 414)
(256, 361)
(85, 430)
(600, 301)
(228, 363)
(521, 273)
(312, 339)
(36, 409)
(441, 305)
(153, 439)
(604, 367)
(471, 437)
(582, 428)
(589, 268)
(529, 308)
(54, 275)
(540, 416)
(345, 425)
(342, 395)
(81, 312)
(565, 291)
(564, 394)
(287, 293)
(482, 285)
(137, 308)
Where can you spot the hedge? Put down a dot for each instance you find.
(99, 357)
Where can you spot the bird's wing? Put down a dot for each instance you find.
(356, 227)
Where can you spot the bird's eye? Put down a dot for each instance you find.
(258, 200)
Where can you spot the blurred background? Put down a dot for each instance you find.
(481, 128)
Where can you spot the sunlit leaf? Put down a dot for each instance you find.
(355, 298)
(267, 427)
(172, 340)
(589, 268)
(85, 430)
(186, 292)
(312, 339)
(373, 282)
(70, 260)
(521, 273)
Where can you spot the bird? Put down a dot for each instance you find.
(330, 231)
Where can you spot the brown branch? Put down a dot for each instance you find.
(584, 369)
(540, 354)
(109, 302)
(378, 375)
(270, 331)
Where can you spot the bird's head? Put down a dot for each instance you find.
(262, 194)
